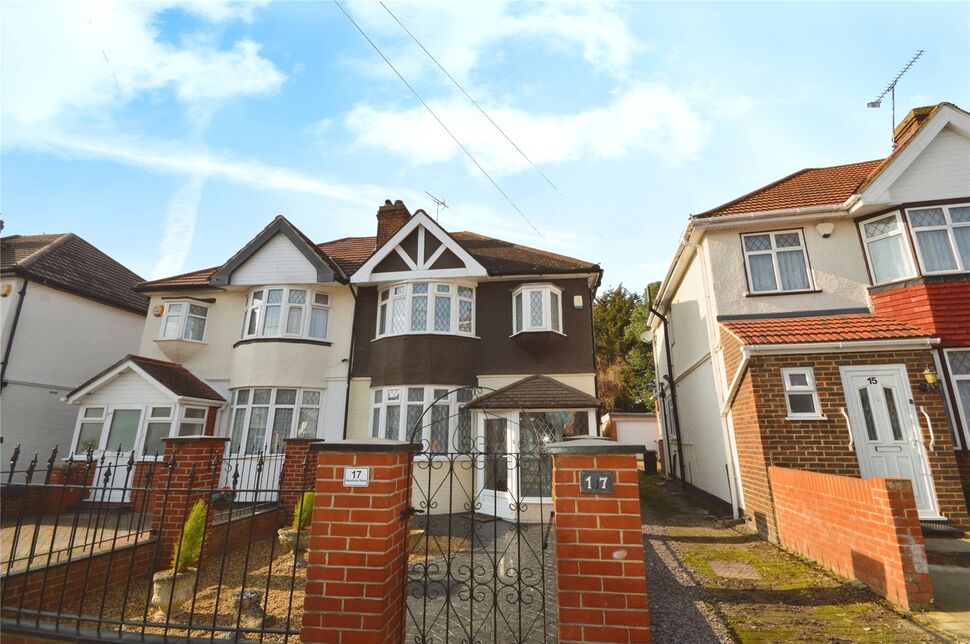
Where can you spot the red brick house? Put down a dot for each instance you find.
(822, 322)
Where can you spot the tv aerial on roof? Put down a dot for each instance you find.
(891, 87)
(439, 204)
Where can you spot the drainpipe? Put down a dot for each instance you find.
(350, 360)
(673, 393)
(13, 332)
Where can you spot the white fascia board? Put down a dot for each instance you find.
(839, 347)
(365, 274)
(400, 276)
(205, 402)
(832, 211)
(106, 378)
(678, 266)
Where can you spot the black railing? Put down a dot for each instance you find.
(83, 537)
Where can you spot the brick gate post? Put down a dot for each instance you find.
(299, 470)
(358, 539)
(601, 578)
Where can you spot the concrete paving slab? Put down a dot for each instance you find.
(951, 591)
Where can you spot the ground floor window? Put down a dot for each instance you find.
(434, 415)
(261, 419)
(958, 362)
(138, 428)
(536, 428)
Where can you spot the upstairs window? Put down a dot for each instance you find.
(426, 307)
(801, 394)
(536, 307)
(942, 235)
(886, 247)
(287, 312)
(776, 262)
(183, 320)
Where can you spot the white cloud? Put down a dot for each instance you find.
(649, 117)
(179, 228)
(65, 60)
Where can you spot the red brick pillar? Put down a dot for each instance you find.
(189, 472)
(600, 576)
(299, 472)
(358, 537)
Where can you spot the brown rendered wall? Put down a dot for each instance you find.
(764, 437)
(424, 359)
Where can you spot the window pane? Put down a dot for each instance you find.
(934, 246)
(392, 428)
(888, 259)
(319, 319)
(94, 412)
(959, 363)
(282, 421)
(307, 426)
(881, 227)
(153, 438)
(385, 295)
(322, 299)
(175, 308)
(535, 308)
(791, 267)
(962, 236)
(378, 395)
(261, 396)
(294, 320)
(311, 398)
(89, 437)
(960, 215)
(464, 291)
(465, 315)
(554, 310)
(414, 428)
(194, 328)
(161, 412)
(762, 273)
(798, 379)
(257, 429)
(801, 403)
(257, 297)
(285, 396)
(124, 429)
(170, 328)
(195, 309)
(397, 315)
(382, 320)
(518, 312)
(242, 397)
(415, 394)
(419, 288)
(271, 324)
(963, 391)
(867, 414)
(757, 242)
(253, 322)
(928, 217)
(393, 394)
(419, 313)
(296, 296)
(463, 433)
(274, 296)
(442, 314)
(189, 428)
(442, 288)
(195, 412)
(375, 427)
(787, 240)
(893, 413)
(237, 428)
(439, 429)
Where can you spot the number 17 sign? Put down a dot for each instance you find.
(595, 482)
(356, 476)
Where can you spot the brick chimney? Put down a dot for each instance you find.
(390, 218)
(909, 125)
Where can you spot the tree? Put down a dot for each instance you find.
(624, 362)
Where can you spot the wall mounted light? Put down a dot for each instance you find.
(931, 380)
(577, 302)
(824, 228)
(6, 290)
(158, 309)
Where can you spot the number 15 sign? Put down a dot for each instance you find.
(595, 482)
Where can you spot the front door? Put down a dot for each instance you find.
(118, 440)
(495, 482)
(885, 430)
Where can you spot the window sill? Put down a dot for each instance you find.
(771, 293)
(791, 418)
(523, 331)
(179, 340)
(432, 333)
(322, 343)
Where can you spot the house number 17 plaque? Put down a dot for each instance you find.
(595, 482)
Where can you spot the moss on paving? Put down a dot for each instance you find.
(791, 600)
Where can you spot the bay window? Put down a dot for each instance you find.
(958, 361)
(262, 418)
(183, 321)
(434, 415)
(886, 248)
(942, 236)
(536, 307)
(426, 307)
(287, 312)
(776, 262)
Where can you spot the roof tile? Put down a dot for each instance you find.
(823, 328)
(535, 392)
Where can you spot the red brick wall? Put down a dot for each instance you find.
(68, 485)
(229, 536)
(299, 469)
(941, 309)
(731, 347)
(764, 436)
(861, 529)
(600, 575)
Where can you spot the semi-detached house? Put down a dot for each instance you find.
(821, 322)
(457, 340)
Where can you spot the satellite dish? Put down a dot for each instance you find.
(647, 336)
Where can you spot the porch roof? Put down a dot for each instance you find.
(173, 377)
(535, 392)
(821, 328)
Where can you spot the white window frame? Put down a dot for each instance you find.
(458, 395)
(547, 291)
(963, 266)
(149, 420)
(182, 318)
(962, 411)
(404, 293)
(307, 308)
(184, 419)
(773, 252)
(909, 269)
(247, 409)
(810, 388)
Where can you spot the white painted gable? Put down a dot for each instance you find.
(941, 171)
(277, 262)
(128, 388)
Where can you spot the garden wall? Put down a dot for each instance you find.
(866, 530)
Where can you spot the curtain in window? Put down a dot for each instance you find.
(962, 236)
(791, 267)
(887, 257)
(762, 273)
(934, 246)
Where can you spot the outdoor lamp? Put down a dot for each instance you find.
(824, 228)
(932, 380)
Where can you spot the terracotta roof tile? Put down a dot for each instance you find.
(827, 328)
(69, 263)
(535, 392)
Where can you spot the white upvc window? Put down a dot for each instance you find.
(958, 363)
(536, 307)
(942, 235)
(426, 307)
(193, 421)
(157, 427)
(434, 415)
(183, 321)
(887, 248)
(287, 312)
(92, 424)
(776, 262)
(801, 394)
(260, 419)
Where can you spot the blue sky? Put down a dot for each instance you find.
(168, 133)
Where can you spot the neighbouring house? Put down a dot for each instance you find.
(456, 340)
(821, 323)
(66, 309)
(640, 428)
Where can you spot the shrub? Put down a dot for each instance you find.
(303, 511)
(188, 548)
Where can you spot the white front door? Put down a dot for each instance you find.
(495, 474)
(885, 430)
(112, 480)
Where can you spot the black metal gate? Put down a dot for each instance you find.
(479, 567)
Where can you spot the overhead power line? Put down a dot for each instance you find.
(473, 101)
(436, 118)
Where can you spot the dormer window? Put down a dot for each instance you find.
(776, 262)
(287, 312)
(537, 307)
(426, 307)
(183, 321)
